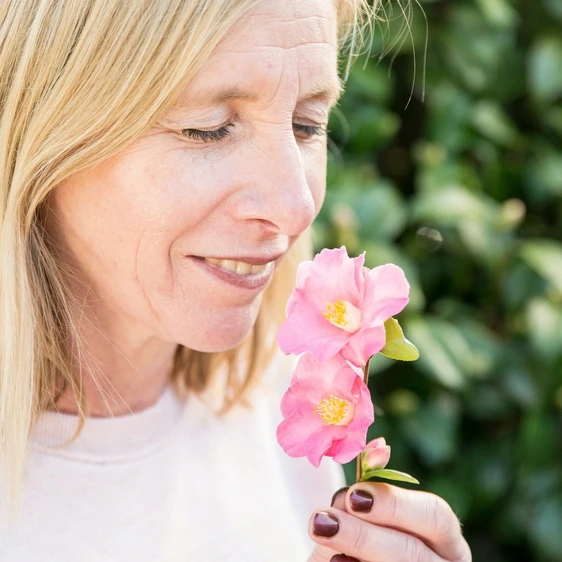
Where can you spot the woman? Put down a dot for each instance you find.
(159, 160)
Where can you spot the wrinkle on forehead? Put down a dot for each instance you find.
(299, 22)
(265, 48)
(269, 51)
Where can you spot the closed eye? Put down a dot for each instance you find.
(217, 135)
(207, 136)
(308, 131)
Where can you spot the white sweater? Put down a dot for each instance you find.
(172, 483)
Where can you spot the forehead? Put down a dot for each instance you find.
(285, 24)
(276, 44)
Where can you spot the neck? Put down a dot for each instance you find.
(120, 377)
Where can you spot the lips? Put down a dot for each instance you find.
(243, 272)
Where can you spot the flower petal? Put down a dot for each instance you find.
(377, 457)
(335, 276)
(307, 330)
(311, 381)
(294, 432)
(304, 432)
(345, 450)
(303, 272)
(321, 441)
(386, 294)
(364, 414)
(376, 443)
(343, 385)
(363, 344)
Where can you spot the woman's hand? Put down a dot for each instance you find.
(373, 522)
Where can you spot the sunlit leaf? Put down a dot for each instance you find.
(544, 325)
(545, 257)
(440, 345)
(389, 474)
(397, 346)
(544, 68)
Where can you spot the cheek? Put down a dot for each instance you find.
(110, 215)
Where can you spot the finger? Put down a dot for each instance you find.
(342, 532)
(426, 515)
(338, 499)
(323, 554)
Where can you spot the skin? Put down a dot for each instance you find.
(127, 226)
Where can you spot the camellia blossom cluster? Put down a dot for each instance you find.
(340, 307)
(327, 411)
(338, 316)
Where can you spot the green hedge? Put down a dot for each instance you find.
(464, 191)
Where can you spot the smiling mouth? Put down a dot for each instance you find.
(239, 267)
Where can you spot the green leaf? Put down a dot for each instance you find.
(451, 204)
(545, 257)
(381, 210)
(545, 62)
(498, 12)
(554, 7)
(544, 326)
(545, 170)
(389, 474)
(397, 346)
(491, 121)
(442, 346)
(433, 429)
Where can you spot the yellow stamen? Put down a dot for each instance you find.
(344, 315)
(336, 313)
(334, 410)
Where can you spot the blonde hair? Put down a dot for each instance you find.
(79, 81)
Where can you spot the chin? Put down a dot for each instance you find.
(226, 333)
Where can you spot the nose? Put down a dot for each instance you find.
(277, 198)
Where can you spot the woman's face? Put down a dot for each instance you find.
(179, 235)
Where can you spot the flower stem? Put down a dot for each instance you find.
(358, 460)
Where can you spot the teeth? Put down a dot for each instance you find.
(229, 265)
(243, 268)
(257, 269)
(238, 267)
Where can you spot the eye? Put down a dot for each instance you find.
(308, 131)
(214, 135)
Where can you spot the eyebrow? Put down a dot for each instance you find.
(322, 89)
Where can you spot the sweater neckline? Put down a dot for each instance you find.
(119, 438)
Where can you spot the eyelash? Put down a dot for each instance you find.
(217, 135)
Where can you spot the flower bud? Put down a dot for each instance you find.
(376, 454)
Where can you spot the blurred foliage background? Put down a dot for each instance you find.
(464, 191)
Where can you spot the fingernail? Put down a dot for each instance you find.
(342, 558)
(361, 501)
(325, 524)
(340, 491)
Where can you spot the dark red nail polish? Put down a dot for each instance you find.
(342, 558)
(325, 524)
(361, 501)
(340, 491)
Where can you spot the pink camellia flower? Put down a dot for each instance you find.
(327, 411)
(376, 454)
(339, 306)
